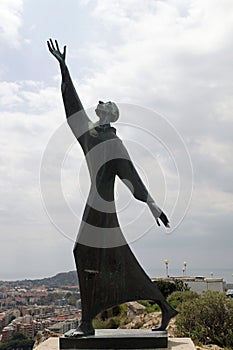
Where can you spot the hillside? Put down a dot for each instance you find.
(59, 280)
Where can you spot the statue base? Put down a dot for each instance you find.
(116, 339)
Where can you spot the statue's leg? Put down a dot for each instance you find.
(168, 311)
(85, 327)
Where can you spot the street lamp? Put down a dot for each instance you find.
(166, 264)
(184, 268)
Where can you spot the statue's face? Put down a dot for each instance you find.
(107, 111)
(103, 109)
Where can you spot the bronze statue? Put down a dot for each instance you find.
(108, 271)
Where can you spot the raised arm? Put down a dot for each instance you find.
(75, 113)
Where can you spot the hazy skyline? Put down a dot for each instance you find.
(172, 57)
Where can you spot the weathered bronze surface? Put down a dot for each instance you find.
(108, 272)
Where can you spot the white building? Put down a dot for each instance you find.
(198, 284)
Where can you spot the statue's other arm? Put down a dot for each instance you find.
(129, 175)
(78, 122)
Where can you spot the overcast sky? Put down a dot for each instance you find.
(169, 67)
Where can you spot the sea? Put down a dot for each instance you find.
(225, 273)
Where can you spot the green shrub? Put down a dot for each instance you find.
(113, 322)
(138, 325)
(149, 306)
(98, 323)
(18, 341)
(208, 319)
(111, 312)
(112, 318)
(145, 303)
(109, 323)
(181, 286)
(167, 287)
(177, 298)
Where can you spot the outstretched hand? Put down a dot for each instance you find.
(55, 51)
(164, 220)
(158, 214)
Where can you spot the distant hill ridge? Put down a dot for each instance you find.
(61, 279)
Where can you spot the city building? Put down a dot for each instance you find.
(198, 284)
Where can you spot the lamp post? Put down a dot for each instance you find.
(184, 268)
(166, 264)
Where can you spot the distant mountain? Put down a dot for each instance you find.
(61, 279)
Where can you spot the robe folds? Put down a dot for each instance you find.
(108, 272)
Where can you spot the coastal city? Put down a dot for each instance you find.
(49, 307)
(39, 308)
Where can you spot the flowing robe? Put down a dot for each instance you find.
(108, 272)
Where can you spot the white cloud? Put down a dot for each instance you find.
(176, 57)
(9, 94)
(29, 96)
(197, 25)
(169, 56)
(10, 21)
(29, 115)
(172, 56)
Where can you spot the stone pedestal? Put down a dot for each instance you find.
(117, 339)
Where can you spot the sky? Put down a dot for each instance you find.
(169, 67)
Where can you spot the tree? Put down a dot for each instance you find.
(18, 341)
(167, 287)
